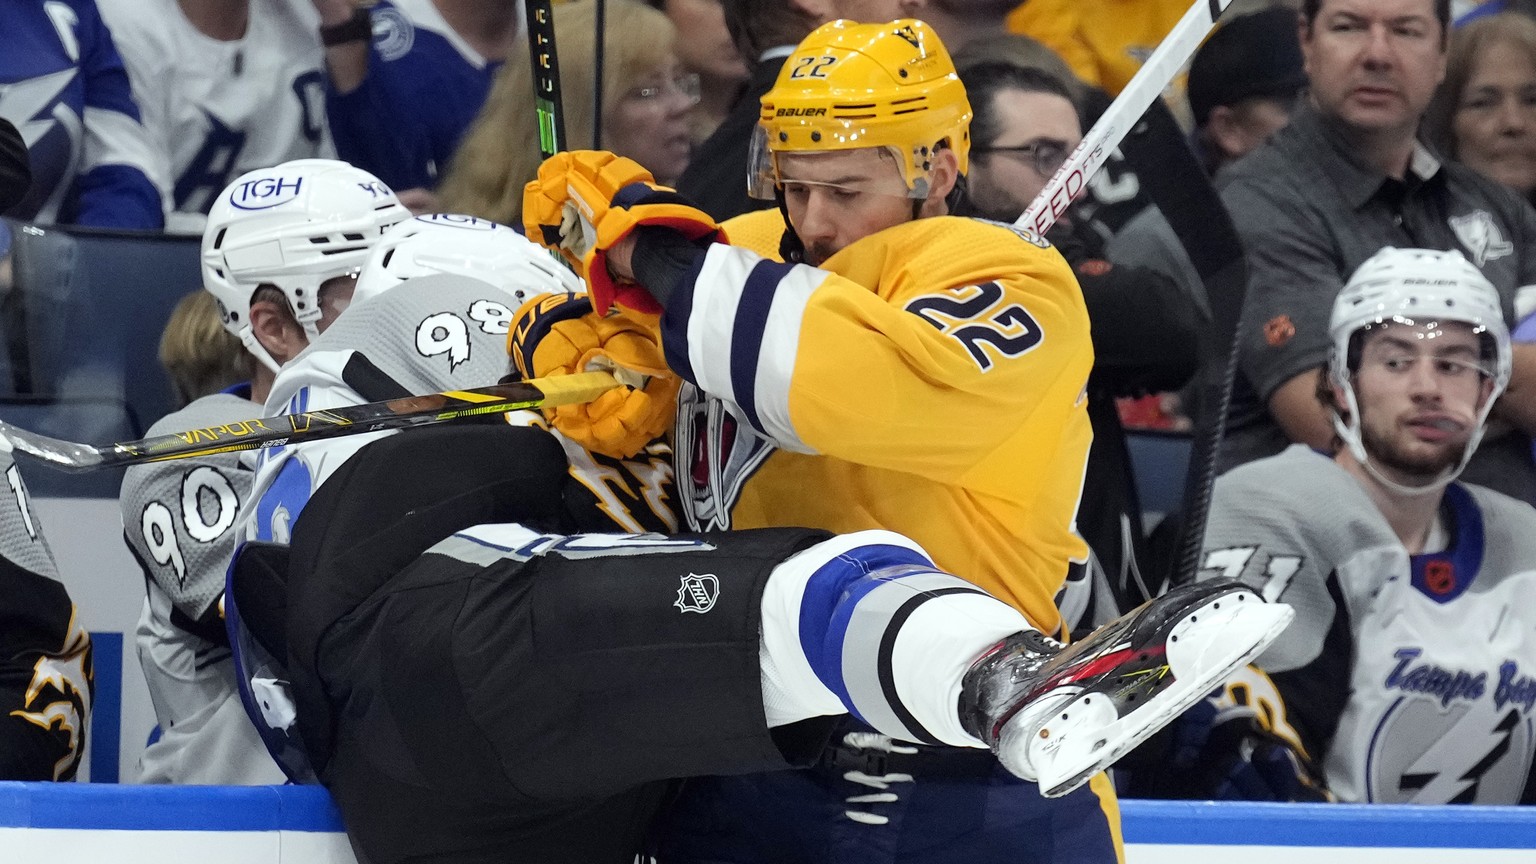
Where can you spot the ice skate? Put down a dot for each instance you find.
(1058, 715)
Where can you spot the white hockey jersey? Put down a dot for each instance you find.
(179, 520)
(425, 335)
(1408, 678)
(218, 109)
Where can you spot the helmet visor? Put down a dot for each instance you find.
(770, 170)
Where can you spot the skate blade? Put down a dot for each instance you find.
(1204, 650)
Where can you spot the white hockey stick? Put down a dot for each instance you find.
(1149, 82)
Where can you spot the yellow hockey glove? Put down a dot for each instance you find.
(585, 201)
(553, 335)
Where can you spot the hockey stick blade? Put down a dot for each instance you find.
(304, 427)
(1147, 84)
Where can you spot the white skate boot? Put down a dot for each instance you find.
(1058, 715)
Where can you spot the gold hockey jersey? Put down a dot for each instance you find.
(928, 379)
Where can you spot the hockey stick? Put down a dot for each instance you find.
(310, 426)
(1178, 185)
(1145, 86)
(1068, 183)
(546, 77)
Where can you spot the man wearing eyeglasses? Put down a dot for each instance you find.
(1409, 675)
(1144, 325)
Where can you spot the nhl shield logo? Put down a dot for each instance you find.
(698, 593)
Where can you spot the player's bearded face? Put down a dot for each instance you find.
(835, 198)
(1419, 390)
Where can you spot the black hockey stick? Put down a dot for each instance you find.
(308, 426)
(1172, 177)
(599, 56)
(1071, 179)
(546, 77)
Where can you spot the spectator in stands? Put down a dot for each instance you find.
(960, 22)
(46, 679)
(1104, 41)
(647, 101)
(15, 170)
(1015, 49)
(223, 88)
(63, 85)
(709, 52)
(765, 32)
(1484, 114)
(1144, 327)
(406, 78)
(198, 354)
(1407, 676)
(1462, 15)
(1345, 178)
(1243, 84)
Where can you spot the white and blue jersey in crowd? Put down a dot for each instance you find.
(62, 84)
(425, 85)
(215, 109)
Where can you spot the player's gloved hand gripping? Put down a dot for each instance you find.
(585, 201)
(559, 334)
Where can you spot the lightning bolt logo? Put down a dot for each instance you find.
(30, 103)
(1429, 780)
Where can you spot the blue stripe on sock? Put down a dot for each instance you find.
(831, 594)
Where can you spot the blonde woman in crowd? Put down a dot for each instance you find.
(1484, 115)
(648, 99)
(198, 354)
(709, 52)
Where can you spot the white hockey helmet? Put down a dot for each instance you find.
(1415, 287)
(291, 226)
(464, 246)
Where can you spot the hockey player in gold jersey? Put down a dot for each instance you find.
(541, 679)
(859, 358)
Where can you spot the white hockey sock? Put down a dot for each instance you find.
(865, 623)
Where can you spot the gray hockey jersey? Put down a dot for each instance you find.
(427, 335)
(180, 520)
(1407, 678)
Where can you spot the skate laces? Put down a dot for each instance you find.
(881, 783)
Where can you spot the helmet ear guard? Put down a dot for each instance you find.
(850, 86)
(1412, 287)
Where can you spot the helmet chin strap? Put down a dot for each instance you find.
(1430, 488)
(1350, 432)
(258, 350)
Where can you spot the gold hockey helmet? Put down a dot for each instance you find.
(849, 86)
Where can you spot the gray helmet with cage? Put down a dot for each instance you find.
(1415, 287)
